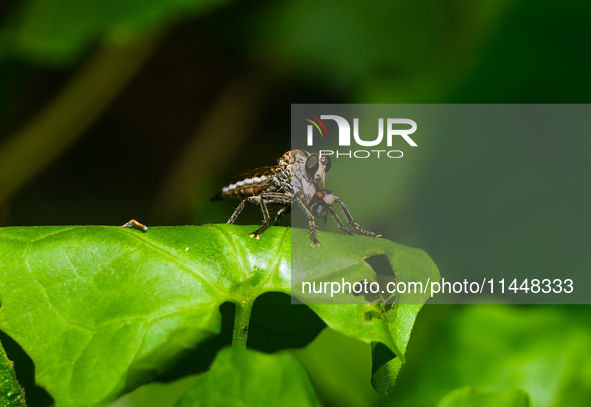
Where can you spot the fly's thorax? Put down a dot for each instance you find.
(303, 188)
(302, 183)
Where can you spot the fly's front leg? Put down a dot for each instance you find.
(311, 223)
(352, 222)
(339, 222)
(281, 212)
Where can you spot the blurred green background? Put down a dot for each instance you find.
(114, 110)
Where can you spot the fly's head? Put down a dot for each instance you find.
(308, 172)
(316, 168)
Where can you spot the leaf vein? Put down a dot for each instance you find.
(182, 265)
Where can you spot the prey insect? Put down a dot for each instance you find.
(297, 179)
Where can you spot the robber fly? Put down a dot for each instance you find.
(298, 178)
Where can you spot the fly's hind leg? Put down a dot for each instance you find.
(352, 222)
(271, 198)
(238, 210)
(266, 217)
(262, 200)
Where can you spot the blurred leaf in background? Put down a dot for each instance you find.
(468, 397)
(375, 51)
(60, 31)
(245, 377)
(540, 349)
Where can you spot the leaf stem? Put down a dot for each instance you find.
(241, 323)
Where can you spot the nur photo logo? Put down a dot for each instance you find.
(392, 129)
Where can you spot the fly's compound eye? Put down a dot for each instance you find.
(312, 165)
(324, 159)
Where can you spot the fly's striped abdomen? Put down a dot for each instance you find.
(248, 187)
(264, 179)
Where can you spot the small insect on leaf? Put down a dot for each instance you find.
(134, 224)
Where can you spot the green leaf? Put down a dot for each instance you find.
(58, 31)
(468, 397)
(345, 259)
(387, 329)
(11, 394)
(248, 378)
(102, 310)
(385, 367)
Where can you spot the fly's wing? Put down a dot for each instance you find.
(257, 172)
(251, 183)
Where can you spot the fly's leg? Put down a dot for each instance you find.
(339, 222)
(238, 210)
(262, 200)
(281, 199)
(311, 223)
(352, 222)
(281, 212)
(277, 198)
(266, 218)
